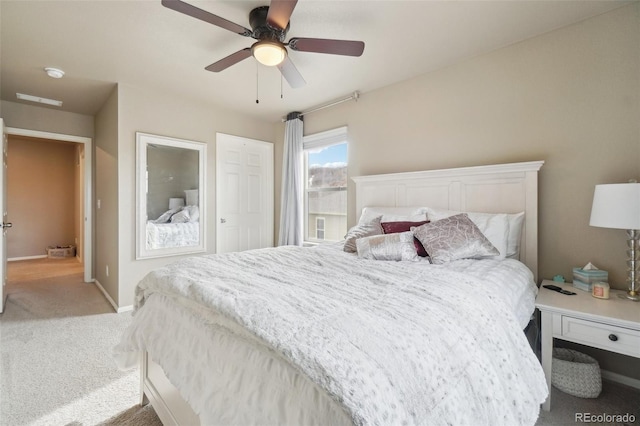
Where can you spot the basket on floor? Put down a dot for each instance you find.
(575, 373)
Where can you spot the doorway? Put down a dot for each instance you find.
(78, 195)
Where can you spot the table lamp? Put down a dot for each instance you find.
(618, 206)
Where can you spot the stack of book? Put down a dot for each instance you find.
(583, 279)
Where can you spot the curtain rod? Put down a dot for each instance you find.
(354, 96)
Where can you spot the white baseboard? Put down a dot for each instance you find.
(14, 259)
(619, 378)
(115, 306)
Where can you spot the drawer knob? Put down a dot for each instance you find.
(613, 337)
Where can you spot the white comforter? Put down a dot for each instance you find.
(390, 342)
(169, 235)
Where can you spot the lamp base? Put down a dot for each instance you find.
(630, 295)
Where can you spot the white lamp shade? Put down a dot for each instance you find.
(175, 203)
(616, 206)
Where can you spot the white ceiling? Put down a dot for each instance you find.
(141, 43)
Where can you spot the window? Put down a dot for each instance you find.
(320, 228)
(325, 201)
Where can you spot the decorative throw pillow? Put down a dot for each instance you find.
(404, 226)
(367, 229)
(494, 226)
(453, 238)
(181, 217)
(396, 247)
(166, 216)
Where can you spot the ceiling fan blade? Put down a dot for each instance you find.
(291, 74)
(279, 13)
(323, 45)
(232, 59)
(203, 15)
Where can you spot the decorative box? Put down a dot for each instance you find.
(590, 276)
(61, 251)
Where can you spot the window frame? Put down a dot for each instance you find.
(319, 140)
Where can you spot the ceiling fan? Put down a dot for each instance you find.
(270, 25)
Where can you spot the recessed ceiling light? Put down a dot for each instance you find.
(54, 72)
(32, 98)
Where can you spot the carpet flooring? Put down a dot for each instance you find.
(56, 335)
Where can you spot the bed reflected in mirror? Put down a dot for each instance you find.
(170, 199)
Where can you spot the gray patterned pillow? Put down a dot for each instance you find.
(398, 246)
(181, 217)
(367, 229)
(453, 238)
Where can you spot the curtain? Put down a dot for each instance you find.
(291, 207)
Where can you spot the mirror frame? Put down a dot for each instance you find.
(143, 140)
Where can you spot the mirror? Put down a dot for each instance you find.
(170, 200)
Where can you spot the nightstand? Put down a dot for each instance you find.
(611, 324)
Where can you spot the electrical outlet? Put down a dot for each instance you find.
(99, 202)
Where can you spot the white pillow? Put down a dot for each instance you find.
(515, 232)
(192, 197)
(194, 213)
(393, 214)
(494, 226)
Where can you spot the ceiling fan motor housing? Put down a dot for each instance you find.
(262, 30)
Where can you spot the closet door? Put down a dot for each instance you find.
(244, 193)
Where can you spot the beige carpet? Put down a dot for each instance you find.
(55, 339)
(56, 335)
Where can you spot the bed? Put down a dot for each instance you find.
(177, 227)
(168, 235)
(295, 335)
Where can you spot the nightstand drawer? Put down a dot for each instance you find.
(603, 336)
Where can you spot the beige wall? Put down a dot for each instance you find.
(569, 97)
(41, 195)
(160, 114)
(106, 193)
(44, 119)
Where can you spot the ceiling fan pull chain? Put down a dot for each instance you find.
(281, 97)
(257, 95)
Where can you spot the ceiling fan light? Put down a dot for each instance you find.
(269, 53)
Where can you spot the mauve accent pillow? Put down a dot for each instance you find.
(404, 226)
(395, 247)
(367, 229)
(453, 238)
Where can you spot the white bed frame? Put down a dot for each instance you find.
(503, 188)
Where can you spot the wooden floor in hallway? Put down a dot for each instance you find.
(42, 268)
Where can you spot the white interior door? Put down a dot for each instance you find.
(244, 193)
(5, 225)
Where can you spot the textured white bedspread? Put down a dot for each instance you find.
(167, 235)
(390, 342)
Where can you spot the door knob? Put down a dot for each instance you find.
(7, 224)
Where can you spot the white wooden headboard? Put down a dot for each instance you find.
(500, 188)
